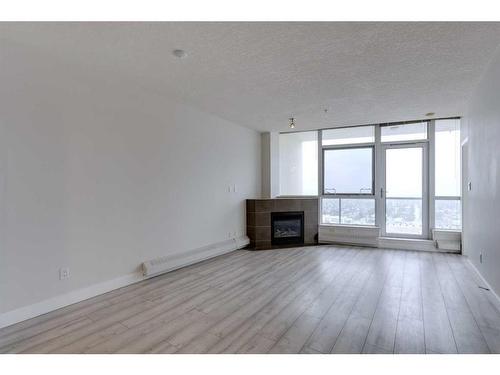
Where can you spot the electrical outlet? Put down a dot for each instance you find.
(480, 257)
(63, 273)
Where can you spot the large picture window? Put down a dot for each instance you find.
(348, 170)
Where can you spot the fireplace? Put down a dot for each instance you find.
(287, 228)
(259, 212)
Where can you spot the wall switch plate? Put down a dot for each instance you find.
(63, 273)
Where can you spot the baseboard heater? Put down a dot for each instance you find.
(157, 266)
(447, 240)
(353, 235)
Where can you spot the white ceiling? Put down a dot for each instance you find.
(259, 74)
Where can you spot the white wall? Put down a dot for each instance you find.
(481, 126)
(98, 176)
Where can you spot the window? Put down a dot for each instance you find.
(348, 176)
(403, 216)
(330, 211)
(298, 161)
(447, 214)
(343, 136)
(348, 211)
(357, 211)
(404, 132)
(348, 170)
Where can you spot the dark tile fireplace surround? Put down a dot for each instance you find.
(280, 222)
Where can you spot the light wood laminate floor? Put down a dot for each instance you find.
(322, 299)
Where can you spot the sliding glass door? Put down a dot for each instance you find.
(404, 191)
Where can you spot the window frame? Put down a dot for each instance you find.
(347, 147)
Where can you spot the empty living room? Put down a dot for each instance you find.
(264, 185)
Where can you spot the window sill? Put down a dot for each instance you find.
(447, 230)
(353, 226)
(298, 197)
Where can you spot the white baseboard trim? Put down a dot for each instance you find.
(487, 284)
(176, 261)
(57, 302)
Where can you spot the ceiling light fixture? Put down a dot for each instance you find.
(291, 123)
(180, 53)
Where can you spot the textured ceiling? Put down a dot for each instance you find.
(259, 74)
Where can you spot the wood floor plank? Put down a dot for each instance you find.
(79, 340)
(437, 328)
(349, 286)
(468, 336)
(257, 345)
(249, 321)
(276, 327)
(317, 299)
(46, 335)
(47, 323)
(382, 332)
(481, 302)
(353, 335)
(410, 336)
(373, 349)
(296, 336)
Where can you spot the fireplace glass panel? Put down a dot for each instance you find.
(287, 228)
